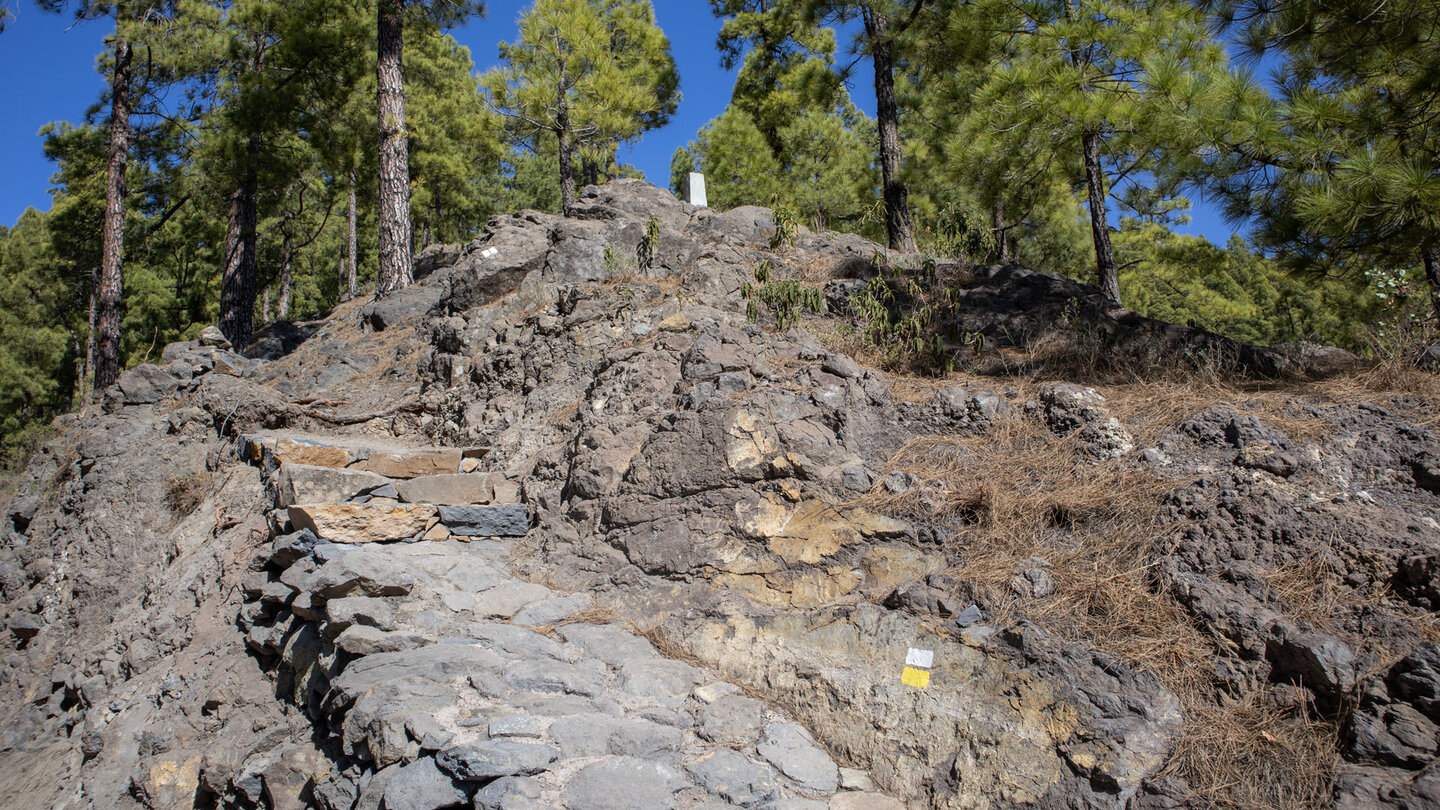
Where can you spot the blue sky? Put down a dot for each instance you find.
(50, 70)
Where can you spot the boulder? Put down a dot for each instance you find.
(146, 384)
(421, 786)
(363, 522)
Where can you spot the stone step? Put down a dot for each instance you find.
(384, 520)
(271, 449)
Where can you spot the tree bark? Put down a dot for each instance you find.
(1099, 226)
(237, 282)
(899, 229)
(567, 171)
(87, 381)
(395, 270)
(352, 247)
(1430, 255)
(112, 248)
(439, 214)
(287, 259)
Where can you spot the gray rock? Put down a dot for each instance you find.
(733, 720)
(424, 729)
(968, 616)
(551, 611)
(365, 573)
(730, 774)
(611, 643)
(421, 786)
(552, 676)
(505, 600)
(287, 549)
(437, 664)
(364, 640)
(476, 762)
(623, 783)
(304, 483)
(790, 748)
(212, 337)
(509, 793)
(1416, 679)
(25, 625)
(501, 520)
(515, 725)
(1324, 664)
(592, 735)
(146, 384)
(667, 681)
(350, 610)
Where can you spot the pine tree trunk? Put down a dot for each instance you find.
(282, 307)
(590, 170)
(899, 230)
(87, 380)
(1430, 254)
(439, 215)
(567, 171)
(1099, 226)
(1002, 243)
(352, 247)
(106, 327)
(395, 271)
(237, 282)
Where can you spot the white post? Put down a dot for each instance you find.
(695, 190)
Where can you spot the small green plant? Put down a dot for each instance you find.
(785, 297)
(610, 261)
(787, 225)
(649, 244)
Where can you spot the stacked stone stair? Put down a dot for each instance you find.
(439, 678)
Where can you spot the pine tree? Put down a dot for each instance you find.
(565, 77)
(396, 267)
(131, 19)
(1337, 168)
(885, 24)
(1097, 90)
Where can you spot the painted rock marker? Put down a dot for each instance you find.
(917, 668)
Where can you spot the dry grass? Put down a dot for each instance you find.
(1252, 756)
(1020, 493)
(187, 492)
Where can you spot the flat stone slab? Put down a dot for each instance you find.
(413, 463)
(363, 522)
(622, 783)
(306, 483)
(477, 762)
(505, 520)
(391, 459)
(790, 748)
(462, 489)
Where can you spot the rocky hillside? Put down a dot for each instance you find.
(573, 523)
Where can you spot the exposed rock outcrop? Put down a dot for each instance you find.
(551, 531)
